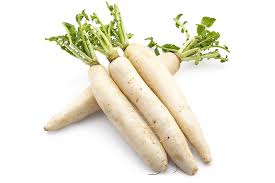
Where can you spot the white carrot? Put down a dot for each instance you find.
(160, 80)
(85, 104)
(114, 104)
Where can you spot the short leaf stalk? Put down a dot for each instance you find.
(195, 48)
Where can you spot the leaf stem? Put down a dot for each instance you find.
(190, 52)
(222, 47)
(121, 34)
(198, 57)
(107, 48)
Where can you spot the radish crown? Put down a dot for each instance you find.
(205, 44)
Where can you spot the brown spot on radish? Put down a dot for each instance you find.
(154, 122)
(178, 157)
(130, 80)
(137, 100)
(168, 137)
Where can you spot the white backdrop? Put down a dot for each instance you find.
(234, 101)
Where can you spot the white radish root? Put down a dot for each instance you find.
(126, 119)
(81, 107)
(164, 86)
(85, 104)
(155, 113)
(170, 61)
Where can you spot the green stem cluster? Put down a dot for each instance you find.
(83, 41)
(195, 48)
(192, 50)
(119, 33)
(105, 44)
(76, 42)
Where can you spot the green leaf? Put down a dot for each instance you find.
(214, 35)
(200, 29)
(165, 48)
(156, 51)
(170, 47)
(51, 39)
(152, 43)
(178, 16)
(176, 19)
(71, 32)
(95, 18)
(130, 35)
(80, 16)
(61, 41)
(110, 7)
(225, 59)
(181, 26)
(208, 21)
(70, 27)
(85, 15)
(149, 38)
(226, 47)
(216, 43)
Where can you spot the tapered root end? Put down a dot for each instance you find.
(164, 166)
(194, 171)
(52, 125)
(46, 128)
(207, 159)
(190, 170)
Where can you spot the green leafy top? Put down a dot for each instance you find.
(83, 41)
(118, 31)
(76, 41)
(102, 37)
(205, 44)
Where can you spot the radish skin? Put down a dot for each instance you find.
(81, 107)
(126, 119)
(156, 114)
(164, 86)
(85, 104)
(170, 61)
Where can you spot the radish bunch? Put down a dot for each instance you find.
(137, 92)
